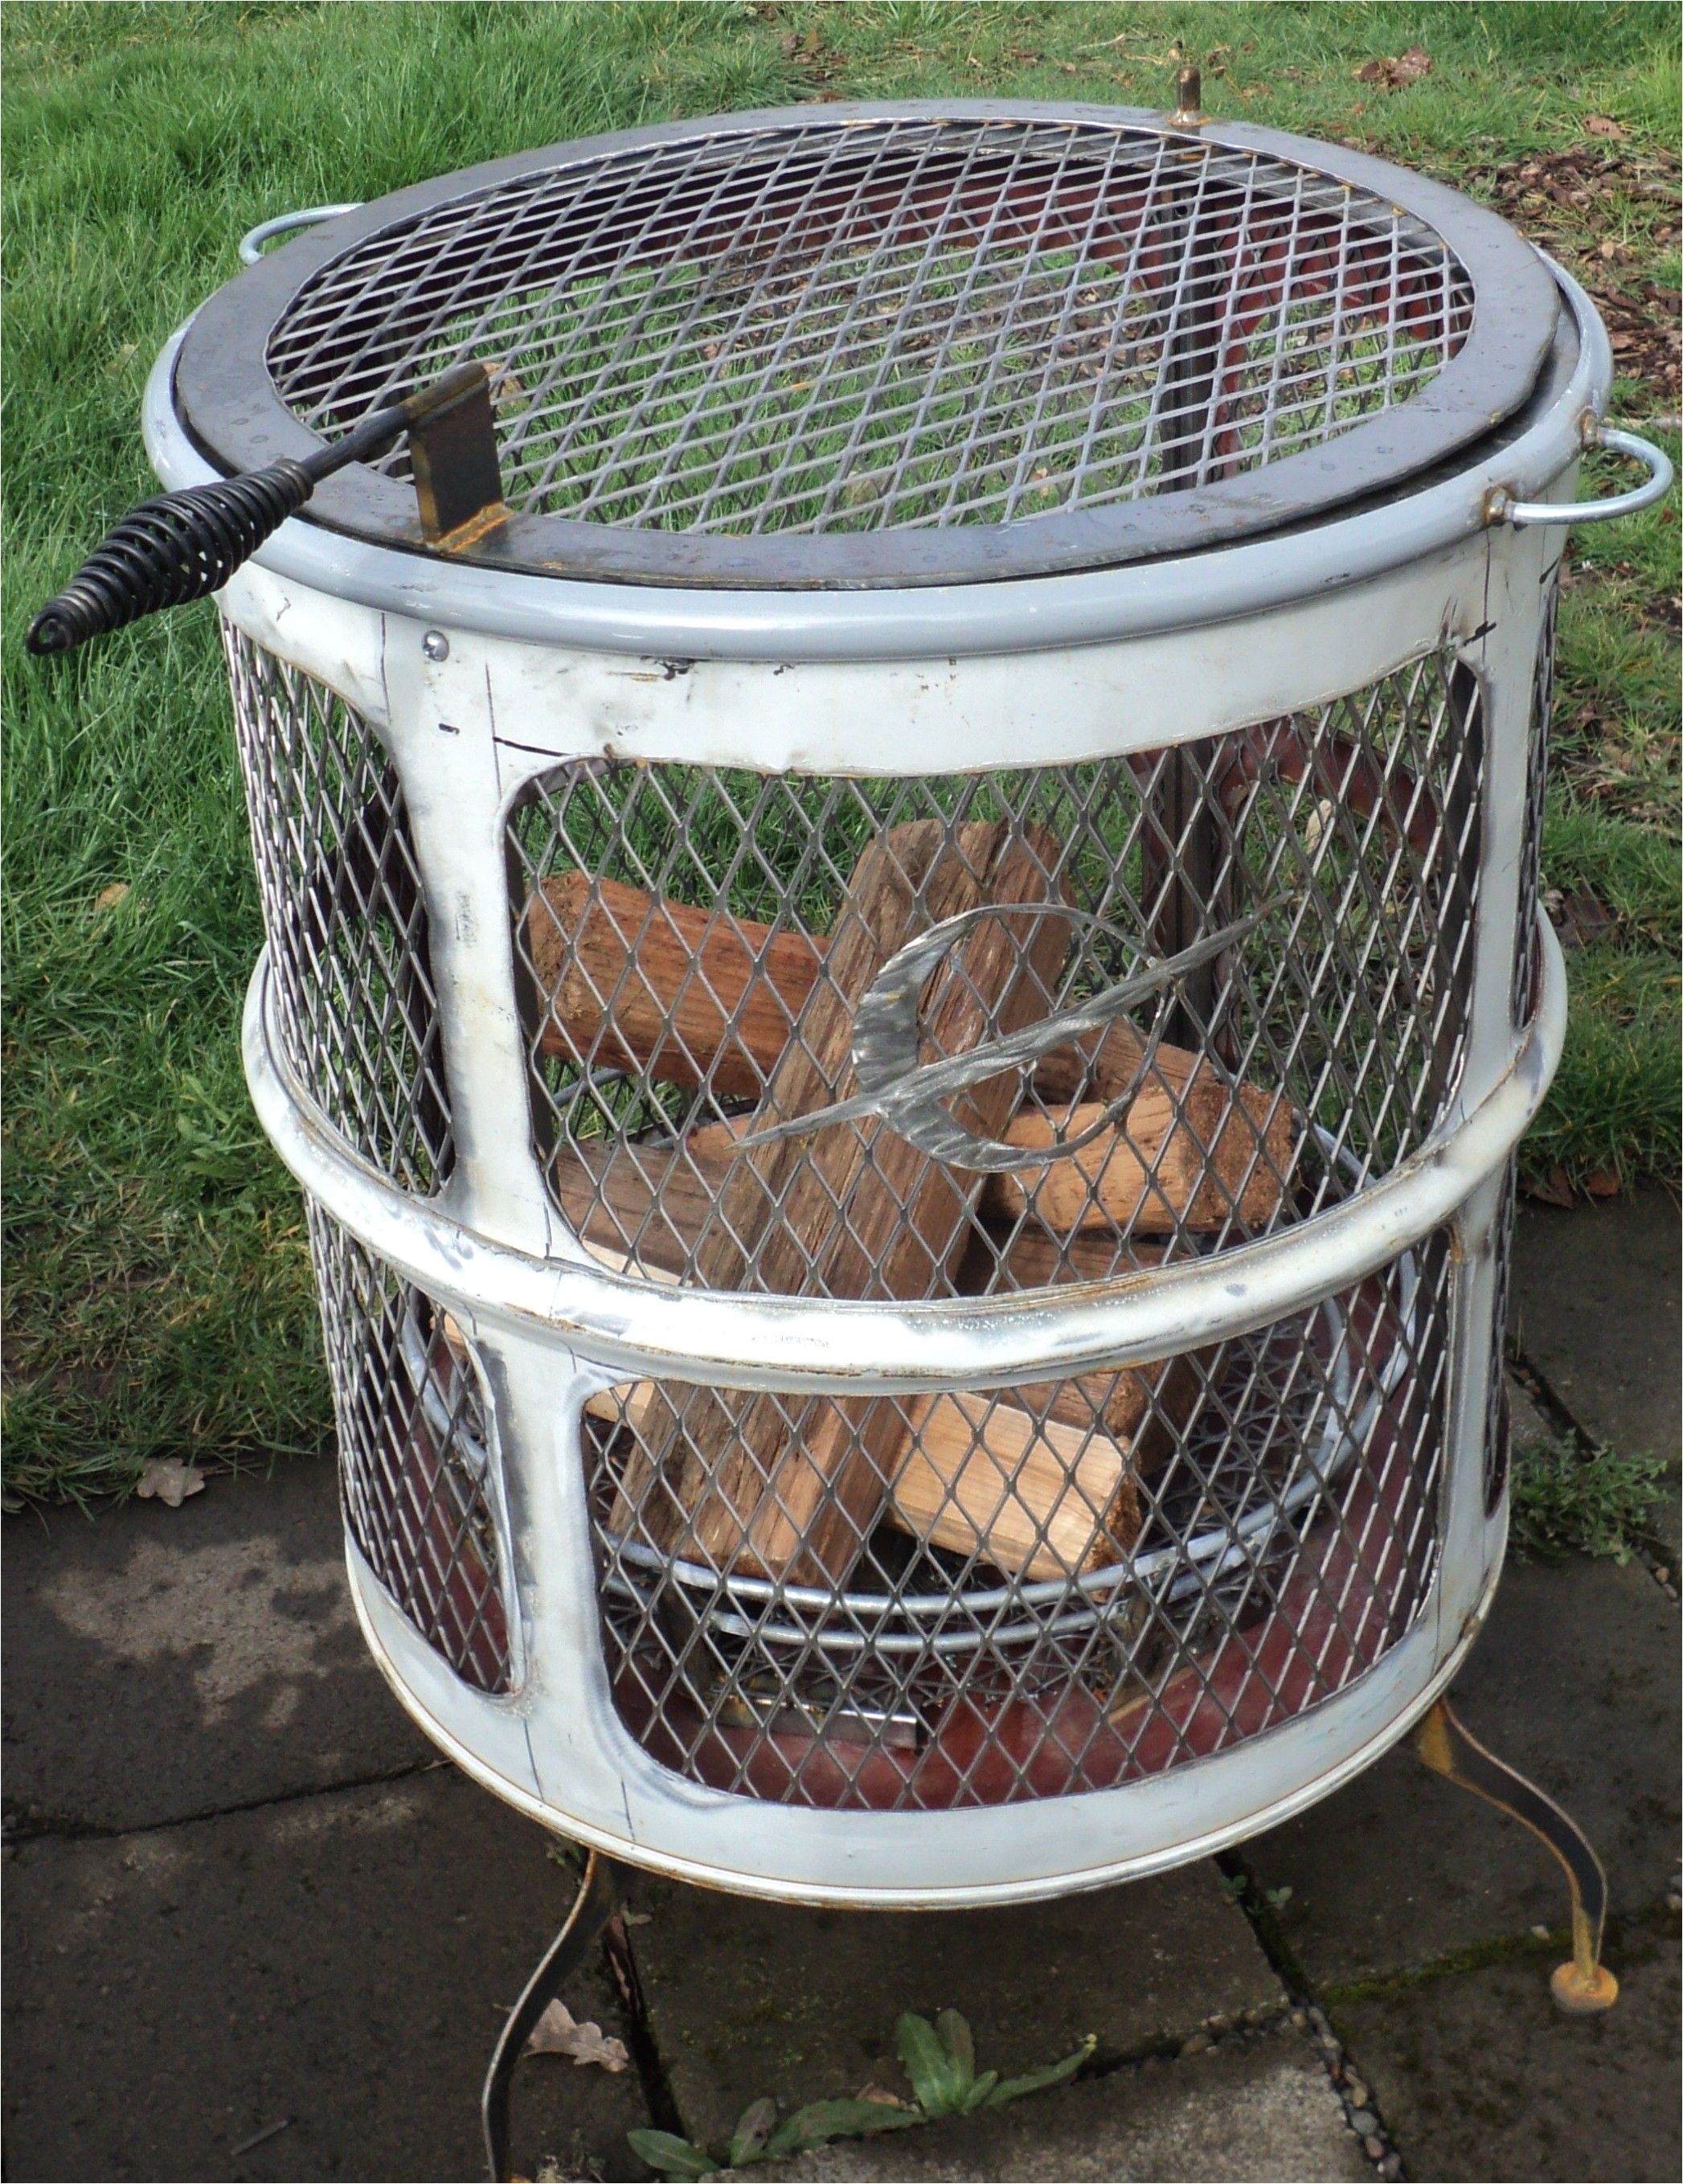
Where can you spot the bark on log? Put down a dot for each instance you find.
(629, 980)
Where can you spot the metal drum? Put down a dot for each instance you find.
(904, 962)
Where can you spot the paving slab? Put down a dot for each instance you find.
(339, 1961)
(1596, 1310)
(1479, 2077)
(748, 1999)
(166, 1662)
(1574, 1682)
(1247, 2110)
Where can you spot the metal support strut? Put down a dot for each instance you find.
(1585, 1985)
(595, 1903)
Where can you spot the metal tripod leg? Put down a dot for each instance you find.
(595, 1903)
(1585, 1984)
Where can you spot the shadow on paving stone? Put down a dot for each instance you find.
(1251, 2109)
(341, 1961)
(1479, 2077)
(1596, 1310)
(747, 1999)
(167, 1662)
(1574, 1682)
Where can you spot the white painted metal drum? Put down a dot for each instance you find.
(1126, 504)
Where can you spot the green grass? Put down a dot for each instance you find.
(159, 1299)
(1565, 1503)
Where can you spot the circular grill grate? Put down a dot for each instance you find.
(911, 323)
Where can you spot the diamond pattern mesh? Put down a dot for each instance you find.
(1525, 961)
(905, 323)
(345, 917)
(1273, 1532)
(413, 1454)
(694, 944)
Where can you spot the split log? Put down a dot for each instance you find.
(629, 980)
(1036, 1497)
(1182, 1160)
(852, 1209)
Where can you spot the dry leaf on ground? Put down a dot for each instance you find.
(1394, 75)
(1554, 1190)
(166, 1478)
(556, 2034)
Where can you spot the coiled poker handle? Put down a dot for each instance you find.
(180, 547)
(186, 544)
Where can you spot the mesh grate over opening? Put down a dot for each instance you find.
(901, 323)
(414, 1454)
(697, 949)
(992, 1602)
(345, 917)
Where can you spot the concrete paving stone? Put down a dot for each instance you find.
(1479, 2076)
(747, 1999)
(1250, 2109)
(166, 1662)
(1530, 1426)
(341, 1961)
(1574, 1682)
(1596, 1310)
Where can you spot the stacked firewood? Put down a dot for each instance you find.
(1038, 1481)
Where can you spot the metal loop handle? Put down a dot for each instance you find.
(252, 243)
(1656, 485)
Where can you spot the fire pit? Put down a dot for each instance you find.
(899, 854)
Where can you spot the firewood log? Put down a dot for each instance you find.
(629, 980)
(1182, 1160)
(852, 1209)
(1038, 1497)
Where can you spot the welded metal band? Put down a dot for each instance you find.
(841, 1347)
(1034, 613)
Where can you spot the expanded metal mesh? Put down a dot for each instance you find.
(1525, 937)
(875, 325)
(413, 1454)
(1274, 1533)
(350, 980)
(694, 944)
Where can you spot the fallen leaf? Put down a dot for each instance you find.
(1554, 1190)
(1603, 124)
(168, 1480)
(1603, 1183)
(109, 897)
(556, 2034)
(1395, 75)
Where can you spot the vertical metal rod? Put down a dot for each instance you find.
(1182, 847)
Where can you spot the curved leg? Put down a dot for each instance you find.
(592, 1907)
(1585, 1984)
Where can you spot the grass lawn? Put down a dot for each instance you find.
(159, 1299)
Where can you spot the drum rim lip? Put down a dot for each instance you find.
(951, 622)
(236, 418)
(626, 1327)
